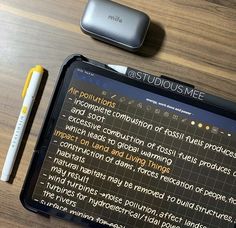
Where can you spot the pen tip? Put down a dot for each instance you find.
(39, 69)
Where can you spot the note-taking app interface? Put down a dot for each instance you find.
(125, 157)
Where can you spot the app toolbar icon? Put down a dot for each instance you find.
(157, 111)
(193, 123)
(200, 125)
(104, 93)
(148, 108)
(175, 117)
(166, 114)
(140, 105)
(215, 130)
(131, 102)
(122, 99)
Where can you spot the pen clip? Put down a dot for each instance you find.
(27, 82)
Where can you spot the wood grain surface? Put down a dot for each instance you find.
(193, 40)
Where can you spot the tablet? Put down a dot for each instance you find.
(114, 152)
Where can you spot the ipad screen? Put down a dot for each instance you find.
(125, 157)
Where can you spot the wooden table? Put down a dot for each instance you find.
(193, 40)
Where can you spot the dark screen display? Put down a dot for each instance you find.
(125, 157)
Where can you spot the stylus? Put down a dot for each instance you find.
(174, 86)
(29, 93)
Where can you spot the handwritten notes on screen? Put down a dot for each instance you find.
(126, 162)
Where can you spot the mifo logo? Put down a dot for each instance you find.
(115, 18)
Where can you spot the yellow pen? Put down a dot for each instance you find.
(29, 93)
